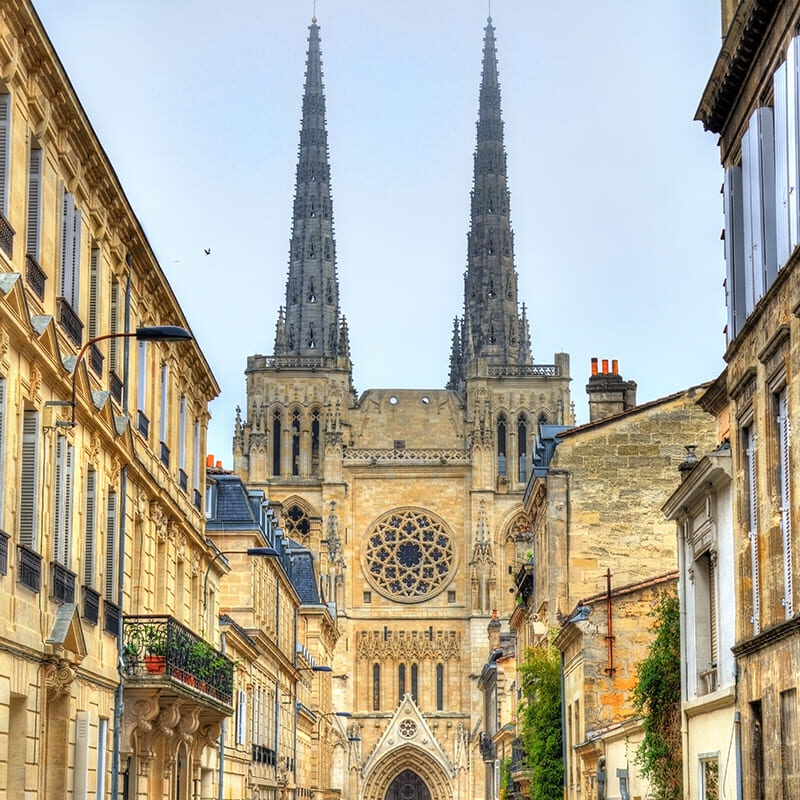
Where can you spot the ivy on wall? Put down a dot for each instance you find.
(540, 722)
(657, 698)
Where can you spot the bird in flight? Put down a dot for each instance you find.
(207, 251)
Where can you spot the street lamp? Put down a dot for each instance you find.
(153, 333)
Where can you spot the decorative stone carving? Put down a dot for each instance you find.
(59, 678)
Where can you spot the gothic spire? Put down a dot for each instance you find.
(493, 330)
(311, 318)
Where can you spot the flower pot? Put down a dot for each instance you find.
(155, 664)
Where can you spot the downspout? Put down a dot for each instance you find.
(563, 729)
(221, 779)
(123, 485)
(609, 626)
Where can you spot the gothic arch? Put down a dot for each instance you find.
(429, 770)
(297, 518)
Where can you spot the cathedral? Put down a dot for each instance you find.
(410, 500)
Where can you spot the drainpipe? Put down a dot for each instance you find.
(684, 666)
(563, 729)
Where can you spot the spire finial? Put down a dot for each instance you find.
(488, 19)
(314, 12)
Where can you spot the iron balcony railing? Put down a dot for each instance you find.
(29, 564)
(91, 605)
(35, 276)
(163, 647)
(69, 321)
(62, 584)
(6, 237)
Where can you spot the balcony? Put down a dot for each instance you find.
(96, 360)
(69, 321)
(524, 581)
(29, 565)
(34, 275)
(115, 386)
(165, 455)
(62, 586)
(142, 424)
(487, 747)
(162, 650)
(6, 237)
(91, 605)
(4, 538)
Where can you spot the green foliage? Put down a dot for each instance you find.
(505, 777)
(540, 722)
(657, 698)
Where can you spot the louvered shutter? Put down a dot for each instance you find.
(781, 165)
(5, 151)
(90, 517)
(32, 231)
(734, 250)
(67, 217)
(752, 521)
(58, 504)
(111, 548)
(793, 139)
(29, 469)
(182, 434)
(2, 445)
(786, 517)
(164, 401)
(114, 325)
(94, 278)
(712, 608)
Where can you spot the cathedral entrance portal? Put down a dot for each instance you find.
(408, 786)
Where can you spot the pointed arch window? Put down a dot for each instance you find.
(276, 442)
(296, 442)
(296, 522)
(315, 415)
(311, 343)
(401, 682)
(376, 687)
(440, 687)
(501, 444)
(522, 447)
(415, 682)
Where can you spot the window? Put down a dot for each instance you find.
(102, 747)
(113, 319)
(783, 432)
(401, 682)
(182, 442)
(241, 717)
(790, 751)
(415, 682)
(34, 210)
(367, 597)
(29, 479)
(440, 687)
(89, 528)
(704, 580)
(69, 275)
(143, 423)
(295, 442)
(522, 446)
(376, 687)
(62, 506)
(276, 442)
(163, 426)
(709, 777)
(501, 445)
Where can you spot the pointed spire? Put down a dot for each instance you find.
(456, 375)
(280, 334)
(311, 320)
(492, 327)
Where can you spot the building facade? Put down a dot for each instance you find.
(422, 489)
(751, 102)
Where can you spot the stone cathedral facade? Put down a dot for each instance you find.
(412, 499)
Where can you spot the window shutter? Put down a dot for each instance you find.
(164, 401)
(750, 467)
(67, 217)
(114, 325)
(2, 444)
(89, 528)
(734, 249)
(241, 717)
(111, 548)
(94, 277)
(781, 166)
(793, 139)
(32, 235)
(785, 509)
(182, 434)
(58, 505)
(29, 469)
(5, 150)
(712, 606)
(142, 366)
(74, 297)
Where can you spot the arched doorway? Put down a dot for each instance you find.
(408, 786)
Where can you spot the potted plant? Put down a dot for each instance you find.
(155, 651)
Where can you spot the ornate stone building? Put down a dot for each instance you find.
(412, 499)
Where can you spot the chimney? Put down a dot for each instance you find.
(210, 460)
(494, 631)
(608, 393)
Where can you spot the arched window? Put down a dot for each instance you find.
(440, 687)
(376, 687)
(296, 442)
(314, 440)
(296, 523)
(276, 442)
(415, 682)
(401, 681)
(501, 444)
(522, 446)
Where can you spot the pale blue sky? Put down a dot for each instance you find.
(615, 198)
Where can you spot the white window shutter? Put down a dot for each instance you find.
(32, 231)
(75, 293)
(765, 127)
(750, 467)
(67, 216)
(781, 166)
(5, 151)
(114, 327)
(69, 494)
(94, 288)
(734, 250)
(786, 507)
(241, 726)
(793, 138)
(164, 401)
(182, 434)
(142, 367)
(58, 510)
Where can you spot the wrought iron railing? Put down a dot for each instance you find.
(163, 646)
(518, 757)
(35, 276)
(91, 605)
(183, 479)
(29, 563)
(197, 499)
(487, 747)
(69, 321)
(263, 755)
(524, 370)
(62, 587)
(111, 615)
(6, 237)
(165, 455)
(143, 424)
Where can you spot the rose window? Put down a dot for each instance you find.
(408, 728)
(409, 555)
